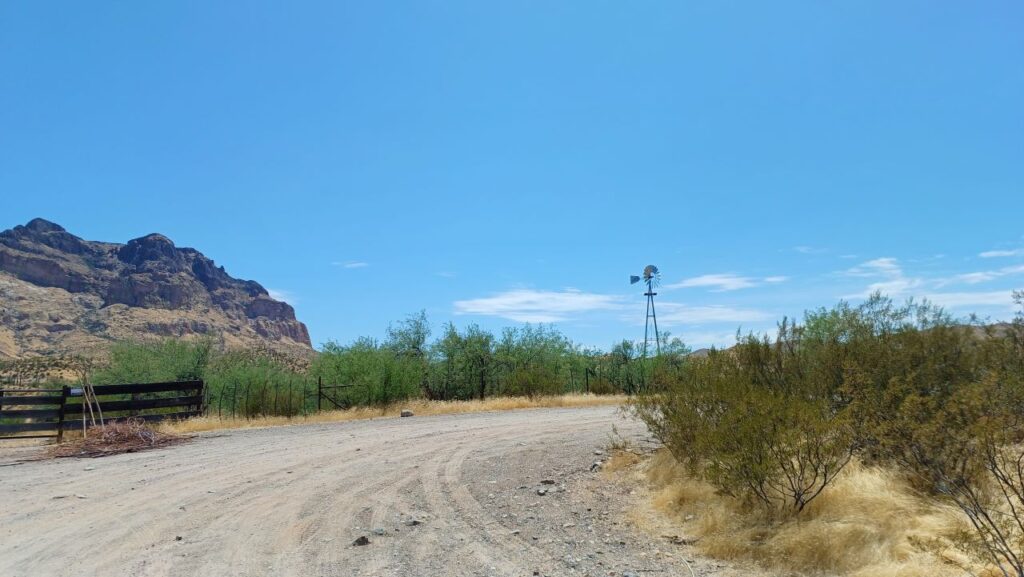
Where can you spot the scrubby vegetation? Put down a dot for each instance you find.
(772, 423)
(457, 365)
(775, 437)
(471, 363)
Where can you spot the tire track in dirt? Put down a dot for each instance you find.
(289, 501)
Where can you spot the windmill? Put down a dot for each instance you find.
(652, 278)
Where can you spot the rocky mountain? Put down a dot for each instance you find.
(60, 294)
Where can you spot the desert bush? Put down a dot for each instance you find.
(532, 361)
(154, 361)
(954, 421)
(903, 386)
(246, 383)
(869, 523)
(374, 373)
(753, 421)
(462, 364)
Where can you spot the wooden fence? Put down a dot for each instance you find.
(40, 412)
(21, 412)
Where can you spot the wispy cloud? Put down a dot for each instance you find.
(1002, 253)
(351, 264)
(968, 299)
(538, 306)
(985, 275)
(725, 282)
(706, 339)
(719, 282)
(890, 278)
(282, 295)
(681, 314)
(886, 266)
(810, 249)
(445, 274)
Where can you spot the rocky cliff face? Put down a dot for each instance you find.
(60, 294)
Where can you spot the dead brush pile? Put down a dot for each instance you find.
(123, 436)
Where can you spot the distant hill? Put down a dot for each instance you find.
(60, 294)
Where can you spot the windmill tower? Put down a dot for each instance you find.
(652, 278)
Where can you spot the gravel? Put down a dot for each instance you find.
(445, 495)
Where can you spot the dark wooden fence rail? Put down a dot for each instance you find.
(66, 408)
(35, 420)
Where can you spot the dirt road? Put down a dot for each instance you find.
(447, 495)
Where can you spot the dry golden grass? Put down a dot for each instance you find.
(418, 407)
(869, 524)
(621, 460)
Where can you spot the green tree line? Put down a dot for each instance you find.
(410, 362)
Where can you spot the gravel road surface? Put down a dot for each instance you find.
(501, 493)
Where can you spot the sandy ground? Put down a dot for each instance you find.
(444, 495)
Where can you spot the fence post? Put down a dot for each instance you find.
(65, 391)
(319, 392)
(245, 403)
(202, 398)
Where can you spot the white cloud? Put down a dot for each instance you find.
(721, 282)
(1002, 253)
(885, 266)
(894, 283)
(676, 313)
(897, 287)
(445, 274)
(282, 295)
(725, 282)
(706, 339)
(966, 299)
(810, 250)
(537, 306)
(976, 277)
(891, 280)
(351, 264)
(985, 275)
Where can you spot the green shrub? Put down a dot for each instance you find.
(373, 374)
(773, 422)
(753, 421)
(154, 362)
(248, 384)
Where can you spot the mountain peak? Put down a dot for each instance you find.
(58, 290)
(149, 248)
(43, 225)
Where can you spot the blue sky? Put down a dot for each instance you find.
(504, 162)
